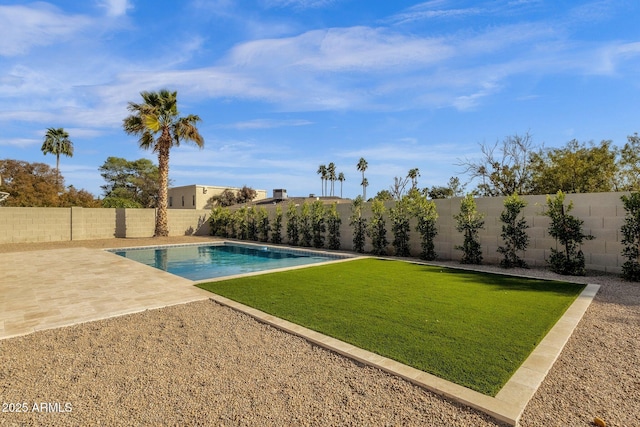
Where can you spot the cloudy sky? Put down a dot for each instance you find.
(283, 86)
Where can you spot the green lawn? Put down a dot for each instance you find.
(473, 329)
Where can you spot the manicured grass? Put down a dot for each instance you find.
(474, 329)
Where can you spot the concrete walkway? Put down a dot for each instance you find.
(53, 288)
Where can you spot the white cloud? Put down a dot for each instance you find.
(267, 124)
(37, 24)
(115, 8)
(19, 142)
(298, 4)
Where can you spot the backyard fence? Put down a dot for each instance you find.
(603, 215)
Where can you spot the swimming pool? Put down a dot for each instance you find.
(200, 262)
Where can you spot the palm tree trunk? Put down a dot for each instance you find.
(162, 225)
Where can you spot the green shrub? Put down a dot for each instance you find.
(425, 212)
(252, 223)
(514, 232)
(376, 229)
(333, 225)
(219, 221)
(567, 230)
(293, 224)
(306, 232)
(631, 237)
(469, 221)
(276, 233)
(400, 215)
(358, 223)
(262, 221)
(318, 226)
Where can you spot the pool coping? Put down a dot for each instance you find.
(508, 404)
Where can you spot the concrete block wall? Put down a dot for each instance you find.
(138, 222)
(88, 224)
(188, 222)
(24, 225)
(21, 225)
(603, 215)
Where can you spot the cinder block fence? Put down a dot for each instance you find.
(21, 225)
(603, 215)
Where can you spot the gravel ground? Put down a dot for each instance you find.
(204, 364)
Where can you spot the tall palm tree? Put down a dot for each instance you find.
(158, 116)
(331, 175)
(341, 178)
(322, 171)
(362, 166)
(56, 141)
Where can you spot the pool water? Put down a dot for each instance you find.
(199, 262)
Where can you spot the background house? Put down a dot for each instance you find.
(197, 196)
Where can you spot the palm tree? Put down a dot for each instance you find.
(413, 175)
(331, 175)
(362, 166)
(322, 171)
(56, 141)
(341, 178)
(365, 184)
(158, 115)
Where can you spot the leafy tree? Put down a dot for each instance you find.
(629, 164)
(30, 184)
(376, 229)
(362, 167)
(567, 230)
(56, 142)
(384, 196)
(358, 223)
(514, 232)
(116, 201)
(293, 224)
(318, 226)
(136, 181)
(333, 225)
(575, 168)
(226, 198)
(504, 168)
(400, 216)
(306, 232)
(631, 237)
(246, 194)
(453, 189)
(468, 222)
(426, 214)
(75, 197)
(158, 115)
(276, 234)
(262, 220)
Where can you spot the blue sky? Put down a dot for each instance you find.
(283, 86)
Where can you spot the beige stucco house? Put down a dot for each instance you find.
(197, 196)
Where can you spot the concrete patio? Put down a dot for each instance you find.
(54, 288)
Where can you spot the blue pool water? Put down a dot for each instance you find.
(199, 262)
